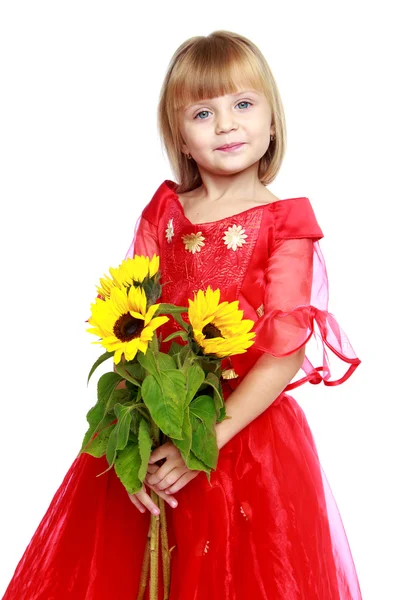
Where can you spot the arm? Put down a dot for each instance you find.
(257, 391)
(288, 284)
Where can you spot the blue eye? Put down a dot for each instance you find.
(206, 111)
(202, 111)
(244, 102)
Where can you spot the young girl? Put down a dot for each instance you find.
(267, 526)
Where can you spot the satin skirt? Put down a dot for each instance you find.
(266, 527)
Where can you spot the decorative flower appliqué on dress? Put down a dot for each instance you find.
(169, 232)
(234, 237)
(193, 241)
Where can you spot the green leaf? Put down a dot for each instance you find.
(144, 447)
(135, 370)
(166, 308)
(185, 444)
(106, 386)
(213, 381)
(124, 373)
(175, 348)
(97, 420)
(149, 362)
(181, 334)
(127, 464)
(102, 414)
(119, 437)
(120, 395)
(184, 353)
(195, 464)
(98, 445)
(98, 362)
(203, 419)
(165, 361)
(175, 311)
(165, 399)
(222, 416)
(156, 363)
(194, 379)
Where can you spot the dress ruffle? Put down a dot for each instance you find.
(287, 297)
(281, 333)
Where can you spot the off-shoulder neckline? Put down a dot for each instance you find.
(172, 186)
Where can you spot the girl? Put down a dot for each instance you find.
(267, 526)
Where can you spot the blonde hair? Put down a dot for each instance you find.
(206, 67)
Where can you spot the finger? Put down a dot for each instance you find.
(152, 468)
(162, 453)
(170, 479)
(136, 502)
(158, 453)
(181, 482)
(147, 501)
(169, 499)
(162, 472)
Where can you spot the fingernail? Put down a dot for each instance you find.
(174, 503)
(155, 511)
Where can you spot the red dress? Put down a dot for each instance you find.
(268, 527)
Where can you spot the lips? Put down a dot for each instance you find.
(230, 145)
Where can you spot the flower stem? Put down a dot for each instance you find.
(145, 567)
(154, 546)
(165, 550)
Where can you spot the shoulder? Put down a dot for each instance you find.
(294, 218)
(153, 211)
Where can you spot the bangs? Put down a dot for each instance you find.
(211, 70)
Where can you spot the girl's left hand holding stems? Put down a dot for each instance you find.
(164, 479)
(173, 474)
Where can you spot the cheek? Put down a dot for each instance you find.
(199, 139)
(260, 135)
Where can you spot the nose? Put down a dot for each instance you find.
(225, 121)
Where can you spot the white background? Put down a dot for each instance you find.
(80, 157)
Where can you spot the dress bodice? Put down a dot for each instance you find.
(194, 256)
(267, 258)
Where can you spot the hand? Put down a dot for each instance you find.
(171, 476)
(142, 500)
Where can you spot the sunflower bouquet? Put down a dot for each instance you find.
(151, 396)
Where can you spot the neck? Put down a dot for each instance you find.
(238, 186)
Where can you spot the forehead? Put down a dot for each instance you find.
(232, 96)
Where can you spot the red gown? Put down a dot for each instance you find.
(268, 527)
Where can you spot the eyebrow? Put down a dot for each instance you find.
(201, 103)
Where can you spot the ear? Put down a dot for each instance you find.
(184, 149)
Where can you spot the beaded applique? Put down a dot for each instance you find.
(234, 237)
(169, 232)
(193, 241)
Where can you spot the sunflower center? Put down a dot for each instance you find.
(127, 328)
(211, 331)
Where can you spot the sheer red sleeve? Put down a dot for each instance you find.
(145, 241)
(296, 312)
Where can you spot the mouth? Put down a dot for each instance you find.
(230, 146)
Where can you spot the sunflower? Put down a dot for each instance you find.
(132, 271)
(123, 322)
(219, 328)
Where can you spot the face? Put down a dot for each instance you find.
(243, 117)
